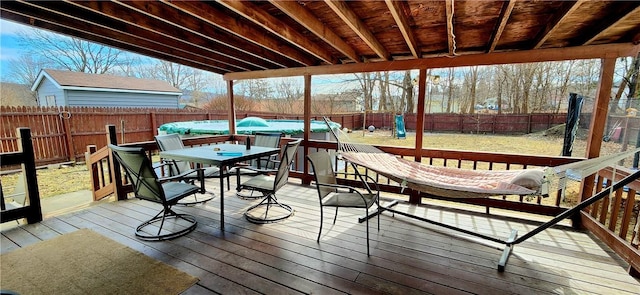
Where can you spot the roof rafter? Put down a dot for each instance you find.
(451, 37)
(70, 25)
(554, 23)
(505, 13)
(263, 19)
(206, 13)
(397, 12)
(351, 19)
(612, 24)
(204, 34)
(162, 33)
(305, 18)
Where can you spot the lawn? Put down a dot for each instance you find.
(60, 179)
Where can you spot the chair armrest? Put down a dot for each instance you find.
(337, 186)
(346, 187)
(377, 188)
(179, 176)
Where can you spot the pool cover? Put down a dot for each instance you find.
(249, 125)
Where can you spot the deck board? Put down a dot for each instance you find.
(407, 256)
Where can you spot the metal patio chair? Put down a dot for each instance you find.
(147, 186)
(331, 194)
(173, 141)
(268, 185)
(256, 166)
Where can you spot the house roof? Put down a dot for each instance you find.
(249, 39)
(102, 82)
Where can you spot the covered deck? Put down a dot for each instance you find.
(407, 256)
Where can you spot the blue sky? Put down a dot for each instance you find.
(8, 45)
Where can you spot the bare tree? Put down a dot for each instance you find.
(26, 68)
(70, 53)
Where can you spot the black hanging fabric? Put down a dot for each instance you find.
(573, 116)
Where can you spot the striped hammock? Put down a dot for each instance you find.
(464, 183)
(447, 181)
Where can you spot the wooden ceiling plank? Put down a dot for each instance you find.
(231, 46)
(395, 7)
(554, 23)
(612, 25)
(494, 58)
(505, 13)
(208, 14)
(305, 18)
(351, 19)
(102, 37)
(451, 38)
(279, 28)
(140, 25)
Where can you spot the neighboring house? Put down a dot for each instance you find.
(65, 88)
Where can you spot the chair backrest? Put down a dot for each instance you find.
(140, 172)
(286, 159)
(322, 171)
(265, 139)
(169, 142)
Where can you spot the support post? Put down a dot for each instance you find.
(307, 128)
(116, 173)
(600, 109)
(34, 214)
(232, 108)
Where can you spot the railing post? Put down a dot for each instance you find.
(34, 214)
(93, 170)
(116, 173)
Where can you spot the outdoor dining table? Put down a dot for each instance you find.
(221, 155)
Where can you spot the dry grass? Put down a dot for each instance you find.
(57, 180)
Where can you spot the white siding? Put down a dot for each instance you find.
(120, 99)
(47, 88)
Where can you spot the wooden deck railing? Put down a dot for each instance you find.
(616, 227)
(26, 158)
(615, 220)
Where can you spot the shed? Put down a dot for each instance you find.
(66, 88)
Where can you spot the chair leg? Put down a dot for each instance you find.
(321, 219)
(335, 216)
(161, 217)
(268, 201)
(367, 224)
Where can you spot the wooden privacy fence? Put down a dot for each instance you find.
(63, 134)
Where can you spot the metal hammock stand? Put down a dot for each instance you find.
(586, 166)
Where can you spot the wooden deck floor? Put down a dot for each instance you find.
(407, 256)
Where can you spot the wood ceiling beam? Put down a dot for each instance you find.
(305, 18)
(630, 14)
(140, 25)
(279, 28)
(29, 14)
(395, 7)
(505, 13)
(351, 19)
(239, 27)
(451, 38)
(554, 23)
(494, 58)
(204, 35)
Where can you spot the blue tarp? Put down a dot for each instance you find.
(219, 127)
